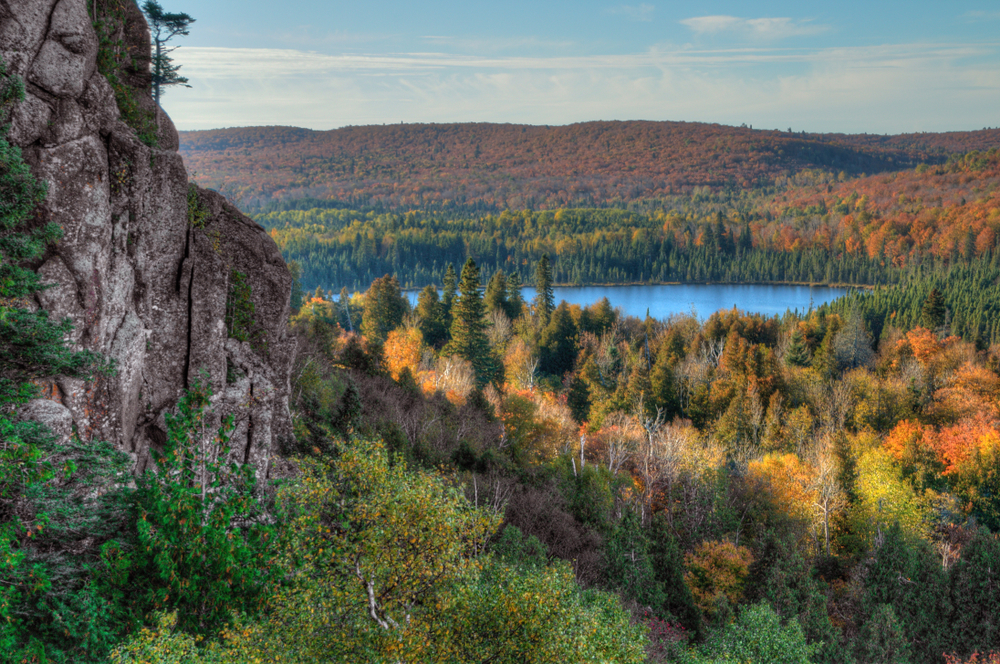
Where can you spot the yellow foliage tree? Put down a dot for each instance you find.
(404, 349)
(884, 495)
(792, 483)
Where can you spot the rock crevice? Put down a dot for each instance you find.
(143, 285)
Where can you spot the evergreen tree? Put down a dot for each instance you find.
(545, 302)
(578, 399)
(468, 327)
(515, 301)
(495, 298)
(975, 594)
(629, 566)
(668, 562)
(164, 26)
(781, 577)
(295, 300)
(448, 294)
(384, 309)
(932, 313)
(881, 640)
(745, 243)
(824, 361)
(431, 313)
(557, 344)
(663, 384)
(798, 352)
(921, 602)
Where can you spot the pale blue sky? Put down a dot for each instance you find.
(884, 67)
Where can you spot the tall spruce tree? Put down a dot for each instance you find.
(798, 352)
(468, 327)
(495, 298)
(448, 294)
(545, 301)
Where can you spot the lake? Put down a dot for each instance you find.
(663, 300)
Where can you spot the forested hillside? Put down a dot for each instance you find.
(494, 167)
(812, 227)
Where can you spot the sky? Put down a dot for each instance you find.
(850, 66)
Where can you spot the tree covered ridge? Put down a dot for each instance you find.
(812, 227)
(492, 167)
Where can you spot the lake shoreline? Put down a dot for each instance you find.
(810, 284)
(702, 299)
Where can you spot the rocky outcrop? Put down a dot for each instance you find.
(144, 268)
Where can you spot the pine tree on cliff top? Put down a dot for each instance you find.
(164, 26)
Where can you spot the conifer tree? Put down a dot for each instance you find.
(745, 243)
(545, 301)
(557, 345)
(515, 302)
(495, 298)
(468, 327)
(578, 399)
(448, 294)
(384, 309)
(431, 313)
(798, 353)
(163, 27)
(38, 580)
(932, 314)
(32, 346)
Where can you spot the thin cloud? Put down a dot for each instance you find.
(904, 87)
(643, 12)
(481, 45)
(758, 28)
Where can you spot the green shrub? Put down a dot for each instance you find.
(757, 635)
(202, 544)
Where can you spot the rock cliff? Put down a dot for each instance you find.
(148, 267)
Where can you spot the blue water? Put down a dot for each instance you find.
(703, 300)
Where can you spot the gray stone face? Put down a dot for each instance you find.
(68, 56)
(141, 285)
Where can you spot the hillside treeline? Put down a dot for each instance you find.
(814, 228)
(493, 167)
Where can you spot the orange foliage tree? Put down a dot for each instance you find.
(404, 348)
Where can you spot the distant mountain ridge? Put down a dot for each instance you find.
(496, 166)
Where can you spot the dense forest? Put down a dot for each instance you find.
(811, 228)
(490, 167)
